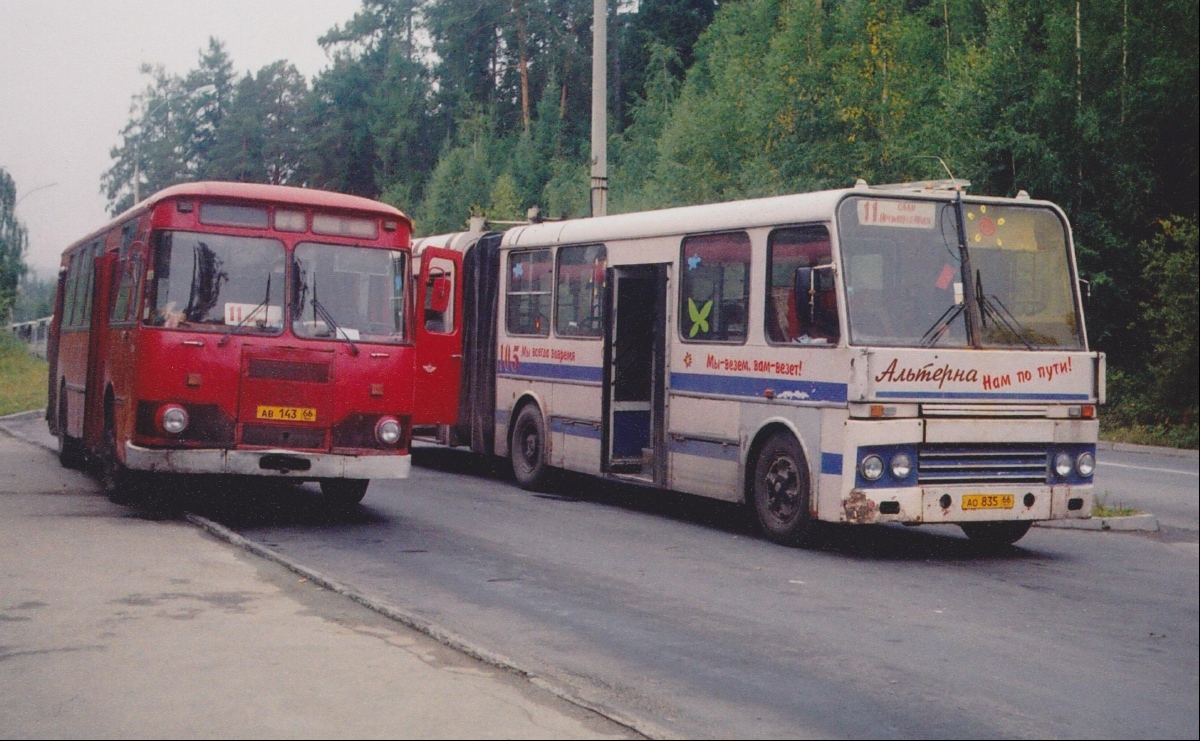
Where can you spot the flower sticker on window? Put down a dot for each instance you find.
(693, 262)
(699, 317)
(518, 270)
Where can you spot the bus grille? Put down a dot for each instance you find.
(289, 370)
(982, 464)
(277, 436)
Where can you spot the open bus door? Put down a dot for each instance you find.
(439, 335)
(633, 430)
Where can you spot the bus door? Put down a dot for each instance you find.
(439, 337)
(634, 363)
(97, 360)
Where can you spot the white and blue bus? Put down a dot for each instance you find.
(898, 353)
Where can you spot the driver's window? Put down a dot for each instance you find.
(803, 314)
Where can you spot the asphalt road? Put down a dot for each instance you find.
(666, 608)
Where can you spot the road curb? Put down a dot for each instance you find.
(445, 637)
(1143, 523)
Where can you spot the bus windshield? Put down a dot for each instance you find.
(216, 281)
(348, 293)
(903, 274)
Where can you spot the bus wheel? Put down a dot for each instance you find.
(527, 449)
(344, 491)
(70, 450)
(995, 534)
(120, 485)
(781, 491)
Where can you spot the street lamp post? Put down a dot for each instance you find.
(137, 159)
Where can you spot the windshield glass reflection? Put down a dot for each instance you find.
(903, 275)
(216, 281)
(348, 293)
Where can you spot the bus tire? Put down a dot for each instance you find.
(781, 491)
(344, 491)
(70, 450)
(120, 485)
(996, 534)
(527, 449)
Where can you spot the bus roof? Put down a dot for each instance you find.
(745, 214)
(252, 192)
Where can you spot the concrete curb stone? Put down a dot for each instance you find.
(1145, 523)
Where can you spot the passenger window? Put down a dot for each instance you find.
(714, 296)
(801, 301)
(580, 291)
(528, 298)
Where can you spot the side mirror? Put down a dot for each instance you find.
(810, 284)
(439, 295)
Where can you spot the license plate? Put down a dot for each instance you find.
(291, 414)
(988, 501)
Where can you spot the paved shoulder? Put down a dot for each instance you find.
(116, 625)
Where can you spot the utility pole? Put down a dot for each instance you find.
(599, 107)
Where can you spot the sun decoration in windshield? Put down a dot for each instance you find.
(986, 229)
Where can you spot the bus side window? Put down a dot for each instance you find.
(792, 313)
(715, 292)
(528, 299)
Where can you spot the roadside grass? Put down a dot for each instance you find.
(1102, 508)
(1169, 436)
(22, 377)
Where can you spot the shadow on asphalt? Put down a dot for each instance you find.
(254, 503)
(871, 542)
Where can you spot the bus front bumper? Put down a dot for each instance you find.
(275, 463)
(958, 504)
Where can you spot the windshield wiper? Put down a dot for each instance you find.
(992, 307)
(264, 303)
(320, 309)
(934, 334)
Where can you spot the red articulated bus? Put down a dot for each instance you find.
(240, 329)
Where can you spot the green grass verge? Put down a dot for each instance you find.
(1168, 436)
(22, 378)
(1102, 508)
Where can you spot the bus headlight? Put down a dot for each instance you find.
(387, 430)
(1085, 464)
(871, 467)
(901, 466)
(172, 419)
(1063, 465)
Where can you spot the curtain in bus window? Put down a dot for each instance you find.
(217, 281)
(528, 299)
(715, 292)
(790, 317)
(580, 291)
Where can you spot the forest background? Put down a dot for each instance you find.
(453, 108)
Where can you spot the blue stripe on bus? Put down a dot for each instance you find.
(705, 449)
(575, 428)
(753, 386)
(553, 371)
(831, 463)
(973, 395)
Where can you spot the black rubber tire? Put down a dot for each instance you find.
(781, 492)
(995, 534)
(527, 450)
(120, 485)
(70, 449)
(344, 491)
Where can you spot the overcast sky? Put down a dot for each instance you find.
(69, 70)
